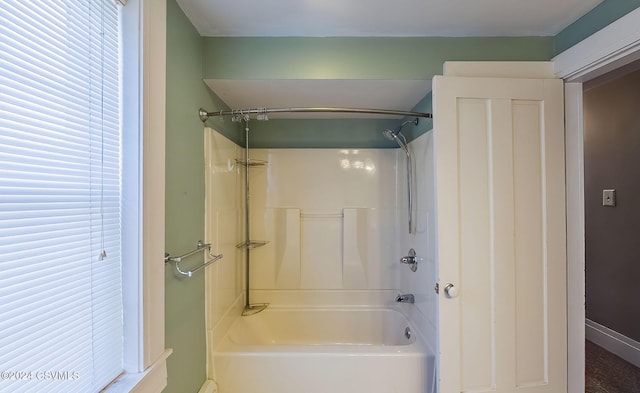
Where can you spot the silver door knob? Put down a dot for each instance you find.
(451, 291)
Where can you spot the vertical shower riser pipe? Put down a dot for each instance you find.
(249, 309)
(247, 231)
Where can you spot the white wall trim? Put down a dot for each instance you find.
(574, 136)
(499, 69)
(143, 122)
(151, 380)
(612, 47)
(153, 42)
(614, 342)
(131, 189)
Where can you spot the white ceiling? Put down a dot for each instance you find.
(359, 18)
(397, 18)
(284, 93)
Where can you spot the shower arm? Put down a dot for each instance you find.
(205, 115)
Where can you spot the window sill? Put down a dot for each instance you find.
(151, 380)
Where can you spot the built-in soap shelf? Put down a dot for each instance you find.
(251, 163)
(249, 244)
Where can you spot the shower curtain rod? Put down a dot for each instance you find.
(205, 115)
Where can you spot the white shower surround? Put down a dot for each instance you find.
(336, 220)
(329, 217)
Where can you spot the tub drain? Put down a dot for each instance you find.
(407, 333)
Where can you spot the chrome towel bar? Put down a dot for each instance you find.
(200, 246)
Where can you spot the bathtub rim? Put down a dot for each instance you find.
(417, 347)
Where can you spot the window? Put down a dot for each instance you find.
(61, 307)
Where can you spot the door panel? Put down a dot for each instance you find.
(530, 261)
(477, 331)
(499, 147)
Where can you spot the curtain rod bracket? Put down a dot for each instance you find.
(204, 115)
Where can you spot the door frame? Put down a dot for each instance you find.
(614, 46)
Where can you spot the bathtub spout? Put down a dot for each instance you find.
(408, 298)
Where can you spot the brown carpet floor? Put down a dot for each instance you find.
(607, 373)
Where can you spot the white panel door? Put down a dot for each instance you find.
(499, 146)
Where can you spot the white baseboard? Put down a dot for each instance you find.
(614, 342)
(209, 386)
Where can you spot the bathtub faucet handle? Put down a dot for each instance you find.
(411, 260)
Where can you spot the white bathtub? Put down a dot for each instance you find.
(339, 350)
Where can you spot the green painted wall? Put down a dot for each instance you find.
(351, 58)
(184, 299)
(358, 57)
(601, 16)
(336, 133)
(424, 125)
(374, 58)
(321, 133)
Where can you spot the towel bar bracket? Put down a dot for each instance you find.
(200, 246)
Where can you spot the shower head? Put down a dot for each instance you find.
(392, 134)
(398, 138)
(396, 135)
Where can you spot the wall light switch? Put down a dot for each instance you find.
(608, 197)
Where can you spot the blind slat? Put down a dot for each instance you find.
(60, 192)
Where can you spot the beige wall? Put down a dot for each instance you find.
(612, 161)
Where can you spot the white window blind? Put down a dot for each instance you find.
(60, 268)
